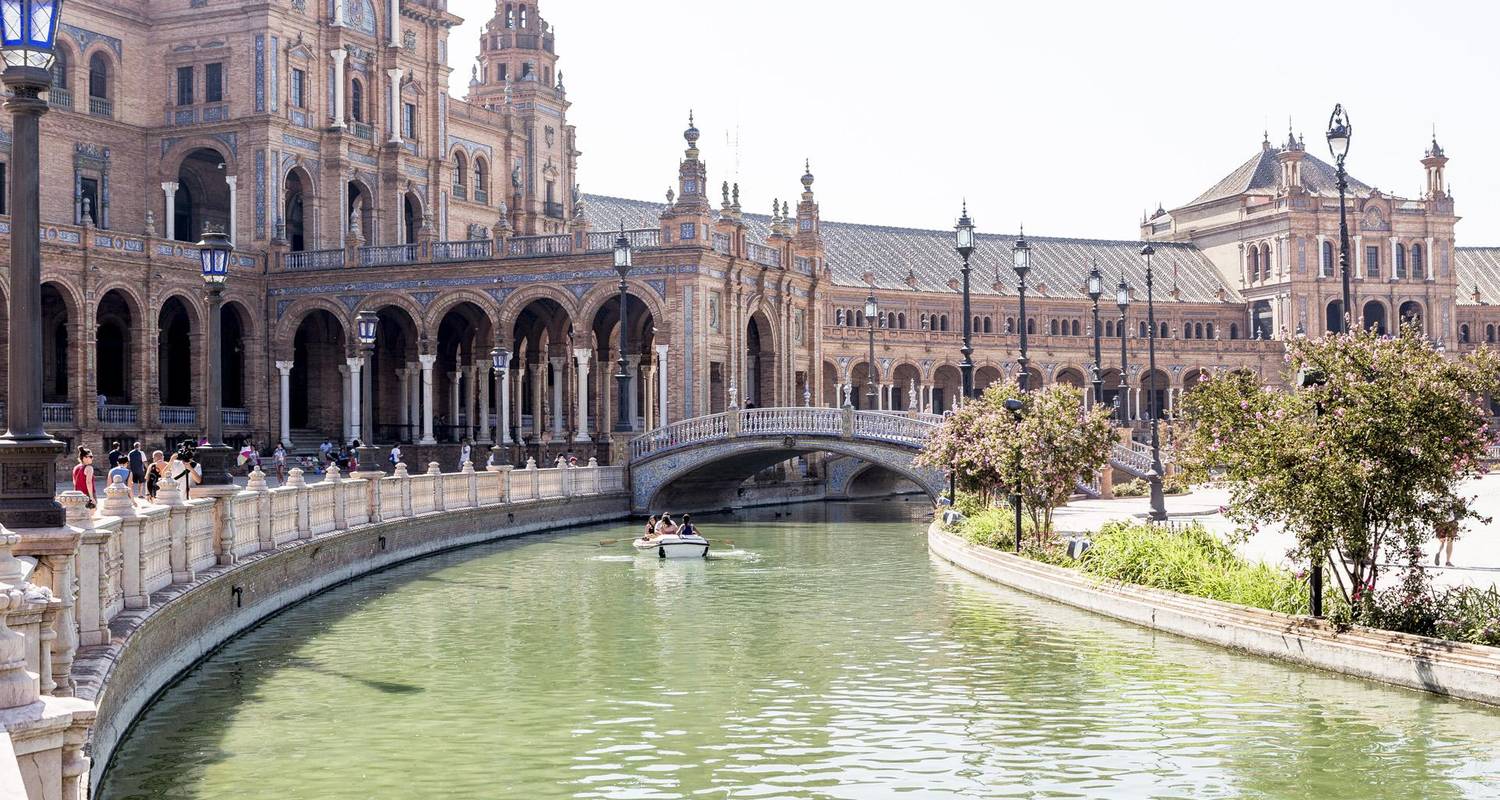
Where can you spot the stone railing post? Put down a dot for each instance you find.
(169, 494)
(1107, 482)
(569, 480)
(400, 472)
(336, 478)
(372, 492)
(295, 479)
(593, 475)
(536, 478)
(257, 486)
(505, 473)
(19, 686)
(733, 419)
(437, 486)
(472, 479)
(98, 570)
(847, 427)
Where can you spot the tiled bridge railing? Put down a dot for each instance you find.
(108, 561)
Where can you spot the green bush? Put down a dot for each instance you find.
(994, 527)
(1132, 488)
(1460, 613)
(1192, 561)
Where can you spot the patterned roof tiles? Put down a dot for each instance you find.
(891, 255)
(1477, 267)
(1262, 175)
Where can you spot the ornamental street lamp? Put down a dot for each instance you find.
(1311, 378)
(1158, 502)
(964, 235)
(622, 378)
(213, 257)
(1021, 252)
(28, 455)
(1122, 393)
(871, 310)
(500, 362)
(1340, 131)
(366, 328)
(1095, 289)
(1015, 408)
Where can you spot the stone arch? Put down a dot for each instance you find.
(394, 369)
(449, 300)
(1192, 377)
(985, 376)
(413, 216)
(61, 323)
(1154, 389)
(293, 316)
(1375, 316)
(319, 344)
(762, 359)
(1412, 313)
(947, 386)
(604, 293)
(602, 321)
(832, 395)
(236, 327)
(359, 203)
(1072, 376)
(905, 377)
(540, 330)
(202, 196)
(179, 333)
(118, 325)
(298, 208)
(517, 303)
(461, 338)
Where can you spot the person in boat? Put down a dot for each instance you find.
(651, 527)
(687, 528)
(667, 526)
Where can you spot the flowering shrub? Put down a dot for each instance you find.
(1054, 444)
(1363, 462)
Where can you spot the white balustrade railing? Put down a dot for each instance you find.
(113, 415)
(57, 413)
(891, 428)
(804, 420)
(1133, 457)
(905, 429)
(177, 415)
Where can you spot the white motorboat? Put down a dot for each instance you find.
(674, 546)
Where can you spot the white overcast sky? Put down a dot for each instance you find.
(1069, 117)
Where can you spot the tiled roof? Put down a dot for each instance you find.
(893, 255)
(1477, 266)
(1262, 175)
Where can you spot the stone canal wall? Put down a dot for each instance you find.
(122, 600)
(1466, 671)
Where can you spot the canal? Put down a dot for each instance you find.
(822, 654)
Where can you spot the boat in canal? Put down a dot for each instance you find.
(674, 546)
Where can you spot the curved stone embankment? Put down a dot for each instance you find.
(1466, 671)
(151, 646)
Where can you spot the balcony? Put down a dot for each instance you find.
(101, 107)
(364, 130)
(58, 97)
(401, 255)
(467, 250)
(57, 413)
(390, 254)
(119, 416)
(236, 417)
(481, 196)
(309, 260)
(552, 210)
(183, 416)
(460, 191)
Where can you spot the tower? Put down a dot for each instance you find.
(1434, 161)
(1290, 160)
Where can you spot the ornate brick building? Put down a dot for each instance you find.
(322, 135)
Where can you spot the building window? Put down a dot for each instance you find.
(501, 75)
(213, 82)
(1326, 270)
(60, 69)
(1141, 332)
(98, 76)
(1417, 270)
(1210, 329)
(184, 86)
(409, 120)
(357, 100)
(1234, 331)
(88, 200)
(299, 88)
(1372, 261)
(1400, 265)
(686, 232)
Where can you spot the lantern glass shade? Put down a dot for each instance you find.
(213, 256)
(367, 325)
(964, 234)
(1096, 284)
(1339, 133)
(1022, 254)
(1122, 295)
(871, 309)
(622, 252)
(28, 31)
(499, 358)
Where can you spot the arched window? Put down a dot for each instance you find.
(481, 181)
(1075, 327)
(1054, 327)
(510, 17)
(1210, 330)
(460, 176)
(1162, 333)
(1265, 262)
(849, 317)
(1109, 329)
(1489, 333)
(1418, 269)
(61, 63)
(1400, 260)
(1234, 331)
(1253, 270)
(1010, 324)
(98, 76)
(923, 321)
(838, 316)
(859, 319)
(1187, 330)
(357, 100)
(880, 320)
(901, 320)
(523, 16)
(1326, 268)
(1463, 334)
(977, 325)
(944, 322)
(1031, 325)
(890, 320)
(1143, 332)
(1197, 330)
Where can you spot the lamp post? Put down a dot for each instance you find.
(1122, 394)
(366, 328)
(500, 362)
(213, 258)
(1158, 502)
(1021, 252)
(1340, 131)
(871, 310)
(28, 455)
(622, 378)
(1095, 289)
(964, 235)
(1310, 378)
(1015, 408)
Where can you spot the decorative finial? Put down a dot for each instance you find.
(785, 213)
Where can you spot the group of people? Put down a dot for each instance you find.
(663, 525)
(141, 476)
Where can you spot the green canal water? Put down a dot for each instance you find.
(823, 654)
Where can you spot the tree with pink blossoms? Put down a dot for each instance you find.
(1361, 459)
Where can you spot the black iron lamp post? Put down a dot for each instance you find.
(213, 257)
(1122, 393)
(964, 235)
(1095, 289)
(1158, 501)
(623, 423)
(1310, 378)
(28, 455)
(366, 329)
(500, 361)
(871, 310)
(1015, 407)
(1021, 252)
(1340, 131)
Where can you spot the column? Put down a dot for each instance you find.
(538, 378)
(338, 57)
(344, 426)
(393, 104)
(503, 437)
(482, 380)
(285, 368)
(471, 397)
(457, 377)
(1429, 261)
(1322, 270)
(633, 365)
(234, 215)
(650, 391)
(355, 419)
(413, 400)
(607, 384)
(581, 356)
(169, 188)
(558, 363)
(393, 10)
(1391, 273)
(338, 12)
(1356, 261)
(661, 385)
(403, 403)
(427, 359)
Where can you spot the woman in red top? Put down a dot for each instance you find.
(83, 474)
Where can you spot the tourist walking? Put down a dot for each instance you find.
(154, 472)
(463, 456)
(1447, 534)
(278, 459)
(83, 474)
(114, 456)
(395, 456)
(137, 460)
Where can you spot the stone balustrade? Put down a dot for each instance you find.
(72, 599)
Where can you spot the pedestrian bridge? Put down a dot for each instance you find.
(701, 462)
